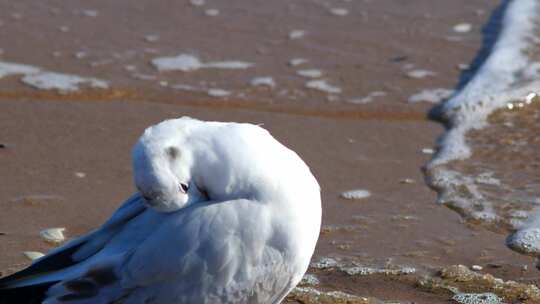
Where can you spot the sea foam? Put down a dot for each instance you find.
(8, 69)
(189, 62)
(507, 75)
(498, 81)
(61, 82)
(46, 80)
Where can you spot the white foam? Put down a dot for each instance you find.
(339, 11)
(130, 68)
(356, 194)
(462, 28)
(63, 29)
(218, 93)
(498, 81)
(263, 81)
(212, 12)
(40, 79)
(188, 63)
(323, 86)
(183, 87)
(310, 73)
(151, 38)
(463, 66)
(487, 178)
(296, 34)
(8, 69)
(310, 279)
(527, 239)
(61, 82)
(368, 98)
(420, 73)
(431, 95)
(143, 76)
(80, 55)
(182, 62)
(462, 193)
(476, 267)
(297, 61)
(477, 298)
(90, 13)
(230, 65)
(197, 2)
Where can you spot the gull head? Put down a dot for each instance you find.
(183, 161)
(162, 165)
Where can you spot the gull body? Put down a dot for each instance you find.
(224, 214)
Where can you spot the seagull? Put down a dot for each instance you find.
(224, 213)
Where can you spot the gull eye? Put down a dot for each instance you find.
(184, 188)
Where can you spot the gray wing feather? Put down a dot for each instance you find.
(75, 251)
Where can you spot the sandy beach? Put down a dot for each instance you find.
(65, 155)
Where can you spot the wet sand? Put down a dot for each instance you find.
(50, 138)
(399, 224)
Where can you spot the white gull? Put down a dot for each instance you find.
(224, 214)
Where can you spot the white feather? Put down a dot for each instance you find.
(243, 233)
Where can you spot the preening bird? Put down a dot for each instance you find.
(224, 213)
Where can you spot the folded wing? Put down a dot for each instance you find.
(49, 269)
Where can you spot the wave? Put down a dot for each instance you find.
(508, 77)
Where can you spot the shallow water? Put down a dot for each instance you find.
(486, 168)
(364, 51)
